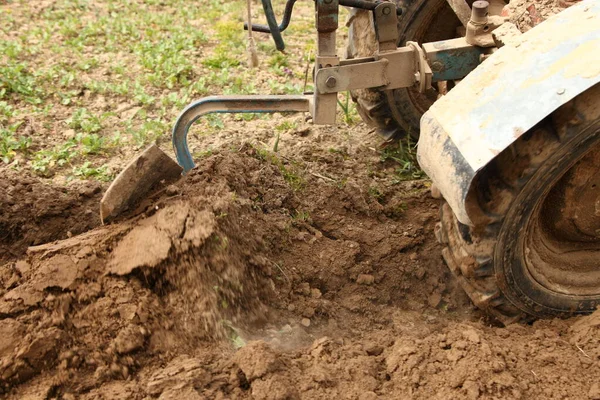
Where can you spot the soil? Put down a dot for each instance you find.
(309, 273)
(261, 277)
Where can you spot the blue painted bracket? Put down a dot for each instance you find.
(229, 104)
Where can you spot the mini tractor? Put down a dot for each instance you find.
(508, 129)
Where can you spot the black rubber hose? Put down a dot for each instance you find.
(285, 22)
(273, 27)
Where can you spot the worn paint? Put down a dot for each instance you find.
(522, 83)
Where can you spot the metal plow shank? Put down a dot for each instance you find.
(154, 165)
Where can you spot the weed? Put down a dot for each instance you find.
(91, 143)
(286, 126)
(289, 173)
(6, 111)
(404, 154)
(87, 170)
(376, 193)
(10, 143)
(150, 131)
(84, 121)
(303, 216)
(215, 121)
(349, 110)
(17, 79)
(45, 160)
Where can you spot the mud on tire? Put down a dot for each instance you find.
(397, 112)
(530, 254)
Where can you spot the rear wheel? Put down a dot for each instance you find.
(535, 247)
(397, 112)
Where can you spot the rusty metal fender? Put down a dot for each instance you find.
(510, 92)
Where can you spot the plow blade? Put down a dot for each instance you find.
(135, 181)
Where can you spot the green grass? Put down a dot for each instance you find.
(81, 61)
(11, 143)
(404, 154)
(289, 172)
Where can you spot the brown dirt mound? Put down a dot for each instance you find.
(328, 289)
(32, 212)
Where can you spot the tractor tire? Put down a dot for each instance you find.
(397, 112)
(534, 251)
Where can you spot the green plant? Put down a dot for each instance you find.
(87, 170)
(405, 155)
(85, 121)
(92, 143)
(45, 160)
(17, 79)
(349, 110)
(286, 125)
(10, 143)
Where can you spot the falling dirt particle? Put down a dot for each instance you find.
(143, 246)
(172, 190)
(305, 322)
(129, 339)
(365, 279)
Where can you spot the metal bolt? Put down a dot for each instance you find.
(479, 12)
(437, 66)
(330, 82)
(386, 10)
(560, 91)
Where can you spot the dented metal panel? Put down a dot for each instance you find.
(522, 83)
(507, 95)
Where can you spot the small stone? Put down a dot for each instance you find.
(304, 288)
(434, 299)
(471, 336)
(374, 350)
(315, 293)
(365, 279)
(291, 307)
(435, 192)
(172, 190)
(420, 273)
(368, 396)
(129, 339)
(413, 256)
(305, 322)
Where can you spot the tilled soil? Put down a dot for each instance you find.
(309, 274)
(260, 278)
